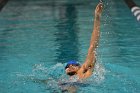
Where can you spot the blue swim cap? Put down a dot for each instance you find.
(72, 63)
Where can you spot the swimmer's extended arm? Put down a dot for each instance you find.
(87, 68)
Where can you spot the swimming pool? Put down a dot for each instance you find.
(37, 38)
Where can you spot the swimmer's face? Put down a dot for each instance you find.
(72, 70)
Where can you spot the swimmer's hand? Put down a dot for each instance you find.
(99, 9)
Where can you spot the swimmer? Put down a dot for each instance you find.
(85, 70)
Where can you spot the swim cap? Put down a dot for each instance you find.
(72, 63)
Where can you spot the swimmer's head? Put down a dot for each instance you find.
(72, 67)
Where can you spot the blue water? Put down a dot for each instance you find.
(38, 37)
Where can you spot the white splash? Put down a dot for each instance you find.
(98, 74)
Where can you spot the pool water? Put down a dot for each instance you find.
(38, 37)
